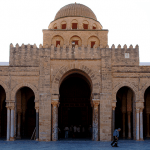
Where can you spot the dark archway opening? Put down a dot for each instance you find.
(75, 111)
(3, 113)
(146, 114)
(26, 113)
(124, 112)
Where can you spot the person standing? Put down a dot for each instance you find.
(74, 130)
(83, 132)
(78, 131)
(115, 135)
(66, 132)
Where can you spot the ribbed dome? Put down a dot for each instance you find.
(75, 10)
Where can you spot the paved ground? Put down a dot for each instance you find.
(73, 145)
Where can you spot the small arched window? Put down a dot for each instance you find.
(85, 25)
(55, 26)
(63, 25)
(74, 24)
(94, 26)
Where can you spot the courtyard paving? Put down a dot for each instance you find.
(73, 145)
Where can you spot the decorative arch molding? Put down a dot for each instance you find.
(76, 38)
(5, 89)
(122, 84)
(90, 75)
(143, 89)
(19, 86)
(95, 39)
(57, 38)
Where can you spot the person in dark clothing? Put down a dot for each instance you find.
(115, 135)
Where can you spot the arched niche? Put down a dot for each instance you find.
(55, 26)
(74, 24)
(94, 26)
(75, 39)
(93, 40)
(57, 39)
(146, 113)
(125, 112)
(3, 113)
(63, 25)
(25, 112)
(75, 104)
(85, 24)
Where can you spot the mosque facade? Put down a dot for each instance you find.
(74, 79)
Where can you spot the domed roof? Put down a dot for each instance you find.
(75, 10)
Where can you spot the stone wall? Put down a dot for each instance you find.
(107, 69)
(48, 35)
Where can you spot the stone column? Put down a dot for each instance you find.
(12, 125)
(137, 124)
(8, 123)
(141, 124)
(147, 125)
(23, 122)
(124, 125)
(19, 125)
(129, 125)
(55, 120)
(37, 124)
(113, 118)
(95, 121)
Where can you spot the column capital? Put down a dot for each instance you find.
(113, 108)
(55, 102)
(113, 105)
(19, 112)
(55, 97)
(37, 106)
(95, 102)
(10, 104)
(137, 110)
(128, 112)
(141, 109)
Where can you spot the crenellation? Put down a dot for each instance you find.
(28, 46)
(125, 56)
(119, 47)
(40, 46)
(26, 55)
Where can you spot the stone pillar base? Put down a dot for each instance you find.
(141, 140)
(18, 137)
(12, 139)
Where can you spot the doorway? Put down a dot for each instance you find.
(75, 111)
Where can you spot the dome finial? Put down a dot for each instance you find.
(75, 2)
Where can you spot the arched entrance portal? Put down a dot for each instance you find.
(124, 114)
(146, 114)
(3, 113)
(75, 109)
(25, 113)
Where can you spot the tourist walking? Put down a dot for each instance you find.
(116, 136)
